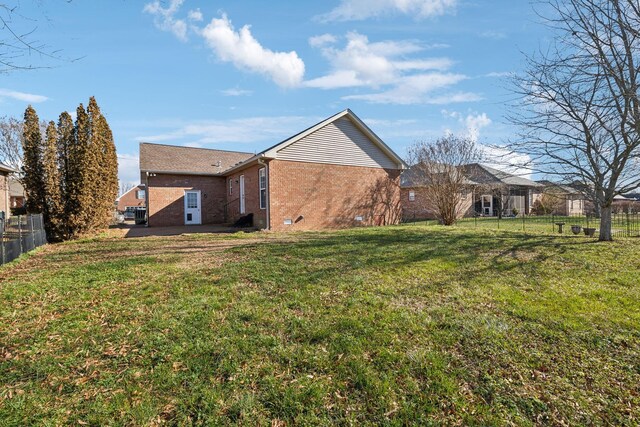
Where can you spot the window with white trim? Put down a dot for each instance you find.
(262, 178)
(140, 194)
(231, 186)
(412, 196)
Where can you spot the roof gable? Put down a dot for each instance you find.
(136, 188)
(341, 139)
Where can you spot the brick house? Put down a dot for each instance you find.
(17, 195)
(564, 199)
(337, 173)
(490, 192)
(5, 203)
(134, 198)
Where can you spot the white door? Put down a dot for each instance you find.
(242, 204)
(487, 205)
(192, 209)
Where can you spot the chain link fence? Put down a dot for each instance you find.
(20, 234)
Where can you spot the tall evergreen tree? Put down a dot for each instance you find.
(54, 205)
(109, 173)
(82, 209)
(67, 166)
(102, 167)
(93, 165)
(32, 167)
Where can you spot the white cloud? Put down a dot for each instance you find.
(22, 96)
(475, 122)
(236, 92)
(493, 34)
(506, 160)
(322, 40)
(240, 48)
(499, 74)
(129, 168)
(195, 15)
(416, 90)
(386, 66)
(355, 10)
(246, 130)
(164, 17)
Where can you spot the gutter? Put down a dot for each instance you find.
(180, 173)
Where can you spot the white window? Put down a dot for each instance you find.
(192, 200)
(262, 178)
(230, 186)
(412, 196)
(140, 194)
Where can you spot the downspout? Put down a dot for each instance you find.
(268, 201)
(146, 200)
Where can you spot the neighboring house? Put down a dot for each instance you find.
(17, 197)
(133, 198)
(564, 199)
(625, 204)
(414, 198)
(499, 192)
(337, 173)
(491, 192)
(5, 203)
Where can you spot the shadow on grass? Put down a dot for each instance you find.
(474, 253)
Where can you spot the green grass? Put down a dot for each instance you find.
(399, 325)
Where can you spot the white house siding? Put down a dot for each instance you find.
(339, 143)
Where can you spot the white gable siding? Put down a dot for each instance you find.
(339, 143)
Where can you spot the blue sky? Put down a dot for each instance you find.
(245, 74)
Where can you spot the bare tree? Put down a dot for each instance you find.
(125, 187)
(11, 135)
(580, 115)
(19, 49)
(11, 142)
(437, 169)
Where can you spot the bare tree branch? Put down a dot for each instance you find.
(578, 109)
(18, 49)
(437, 168)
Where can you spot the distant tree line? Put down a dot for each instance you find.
(70, 175)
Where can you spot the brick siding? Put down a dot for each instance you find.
(166, 198)
(419, 208)
(317, 196)
(4, 194)
(252, 196)
(130, 198)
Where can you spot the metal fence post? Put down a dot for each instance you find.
(2, 256)
(628, 225)
(20, 233)
(33, 234)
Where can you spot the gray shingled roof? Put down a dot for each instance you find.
(476, 174)
(187, 160)
(486, 175)
(413, 177)
(565, 188)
